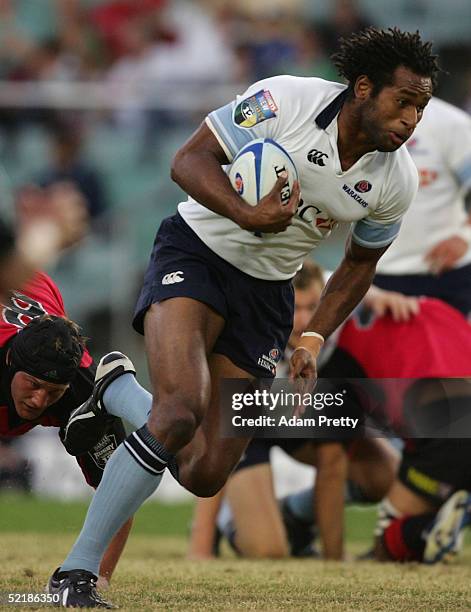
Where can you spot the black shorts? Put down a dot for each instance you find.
(436, 468)
(258, 451)
(93, 463)
(452, 286)
(258, 313)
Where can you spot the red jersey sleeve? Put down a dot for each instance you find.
(40, 296)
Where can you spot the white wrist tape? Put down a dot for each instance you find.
(311, 334)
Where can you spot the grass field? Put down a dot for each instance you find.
(154, 575)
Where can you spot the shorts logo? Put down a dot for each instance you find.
(255, 109)
(239, 184)
(103, 450)
(269, 362)
(172, 278)
(363, 186)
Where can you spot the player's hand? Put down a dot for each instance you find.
(303, 368)
(445, 254)
(401, 307)
(271, 216)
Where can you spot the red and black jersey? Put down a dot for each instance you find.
(42, 296)
(38, 297)
(434, 344)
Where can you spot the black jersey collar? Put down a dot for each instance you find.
(326, 116)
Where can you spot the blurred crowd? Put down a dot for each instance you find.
(144, 53)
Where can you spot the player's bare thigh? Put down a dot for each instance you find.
(179, 336)
(259, 526)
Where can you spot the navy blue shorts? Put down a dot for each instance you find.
(258, 313)
(453, 286)
(258, 450)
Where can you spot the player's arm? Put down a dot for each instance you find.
(444, 255)
(197, 168)
(344, 290)
(329, 493)
(203, 528)
(454, 135)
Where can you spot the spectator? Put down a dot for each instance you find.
(67, 166)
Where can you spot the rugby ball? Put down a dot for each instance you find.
(257, 166)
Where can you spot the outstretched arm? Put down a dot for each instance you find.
(345, 289)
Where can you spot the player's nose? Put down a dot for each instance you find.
(410, 118)
(40, 399)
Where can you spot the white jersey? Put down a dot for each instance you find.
(441, 149)
(301, 115)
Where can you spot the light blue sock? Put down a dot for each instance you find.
(302, 505)
(125, 398)
(123, 489)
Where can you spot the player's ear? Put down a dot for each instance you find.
(363, 88)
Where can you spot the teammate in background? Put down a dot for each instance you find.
(49, 220)
(233, 302)
(45, 373)
(254, 522)
(432, 255)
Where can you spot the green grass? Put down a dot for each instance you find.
(41, 515)
(154, 574)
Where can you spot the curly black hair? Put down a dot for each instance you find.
(377, 53)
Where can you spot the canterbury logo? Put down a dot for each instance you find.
(317, 157)
(172, 278)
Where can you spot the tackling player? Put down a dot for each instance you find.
(45, 373)
(230, 299)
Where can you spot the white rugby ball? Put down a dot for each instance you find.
(256, 167)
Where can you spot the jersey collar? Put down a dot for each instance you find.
(326, 116)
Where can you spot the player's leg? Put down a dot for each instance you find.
(373, 465)
(205, 464)
(204, 537)
(259, 530)
(424, 481)
(402, 517)
(135, 469)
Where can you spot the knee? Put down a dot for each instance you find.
(273, 548)
(174, 422)
(205, 483)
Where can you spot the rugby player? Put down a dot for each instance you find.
(45, 373)
(428, 358)
(217, 295)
